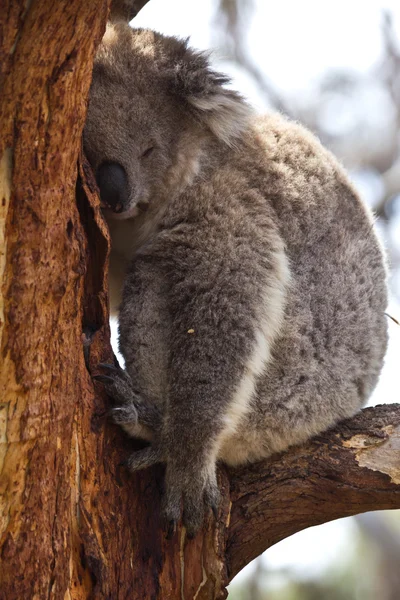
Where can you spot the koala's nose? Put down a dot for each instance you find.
(113, 185)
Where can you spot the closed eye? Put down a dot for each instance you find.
(147, 152)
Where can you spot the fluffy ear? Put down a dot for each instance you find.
(223, 111)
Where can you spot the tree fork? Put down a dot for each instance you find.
(73, 524)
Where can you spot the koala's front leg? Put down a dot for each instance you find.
(226, 306)
(197, 418)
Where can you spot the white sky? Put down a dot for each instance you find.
(293, 42)
(312, 36)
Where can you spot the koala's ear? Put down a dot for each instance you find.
(222, 110)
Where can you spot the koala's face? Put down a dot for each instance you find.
(147, 92)
(131, 131)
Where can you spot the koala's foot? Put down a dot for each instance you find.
(130, 408)
(118, 384)
(197, 497)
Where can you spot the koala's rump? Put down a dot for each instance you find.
(328, 357)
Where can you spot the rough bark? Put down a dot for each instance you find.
(47, 399)
(73, 524)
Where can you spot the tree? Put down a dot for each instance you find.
(73, 523)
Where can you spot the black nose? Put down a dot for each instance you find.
(113, 184)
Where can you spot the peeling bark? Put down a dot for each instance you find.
(73, 524)
(349, 470)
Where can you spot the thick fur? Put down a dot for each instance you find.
(252, 314)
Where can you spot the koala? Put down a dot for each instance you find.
(253, 283)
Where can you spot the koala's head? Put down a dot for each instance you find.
(152, 101)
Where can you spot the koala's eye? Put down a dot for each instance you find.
(147, 152)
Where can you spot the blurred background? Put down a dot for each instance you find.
(335, 67)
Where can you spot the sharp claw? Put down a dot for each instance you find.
(108, 366)
(103, 378)
(113, 412)
(171, 528)
(214, 509)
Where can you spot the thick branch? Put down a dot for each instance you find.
(352, 469)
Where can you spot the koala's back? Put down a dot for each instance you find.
(277, 200)
(328, 355)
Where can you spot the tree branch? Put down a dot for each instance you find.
(351, 469)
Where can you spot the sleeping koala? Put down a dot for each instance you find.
(254, 287)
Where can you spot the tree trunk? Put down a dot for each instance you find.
(49, 459)
(73, 524)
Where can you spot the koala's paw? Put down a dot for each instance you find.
(124, 415)
(197, 497)
(130, 407)
(118, 385)
(195, 506)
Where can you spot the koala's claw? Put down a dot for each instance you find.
(171, 529)
(118, 384)
(171, 509)
(141, 459)
(195, 506)
(103, 379)
(214, 508)
(109, 366)
(123, 415)
(193, 517)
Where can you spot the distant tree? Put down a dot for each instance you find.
(369, 143)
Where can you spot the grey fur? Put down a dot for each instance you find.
(252, 314)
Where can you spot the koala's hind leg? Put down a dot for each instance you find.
(134, 414)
